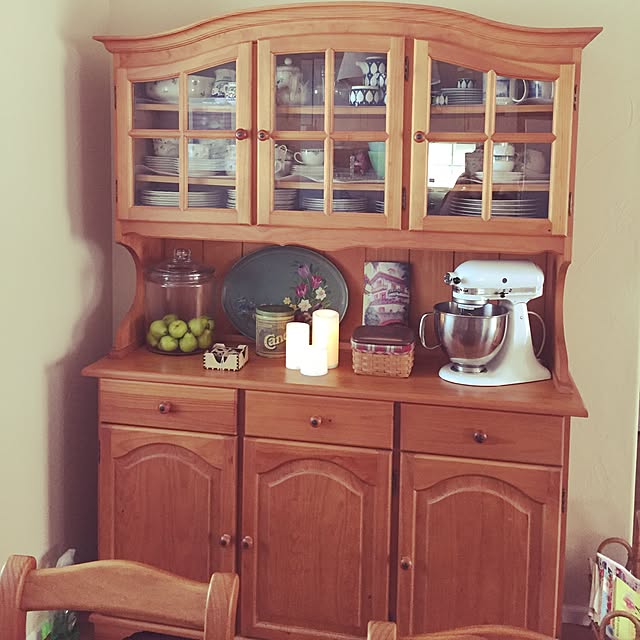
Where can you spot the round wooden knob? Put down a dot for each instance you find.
(263, 135)
(164, 406)
(419, 136)
(225, 540)
(247, 542)
(480, 437)
(405, 563)
(315, 421)
(242, 134)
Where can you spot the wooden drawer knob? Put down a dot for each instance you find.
(315, 421)
(480, 436)
(263, 135)
(419, 136)
(247, 542)
(225, 540)
(164, 407)
(405, 563)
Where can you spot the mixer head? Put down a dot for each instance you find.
(476, 282)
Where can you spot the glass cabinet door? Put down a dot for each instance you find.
(484, 144)
(189, 143)
(329, 120)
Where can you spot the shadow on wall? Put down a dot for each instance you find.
(72, 399)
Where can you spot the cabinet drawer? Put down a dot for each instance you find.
(461, 432)
(363, 423)
(169, 406)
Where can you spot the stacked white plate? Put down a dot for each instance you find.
(339, 204)
(158, 198)
(313, 172)
(379, 206)
(462, 96)
(198, 168)
(502, 176)
(284, 199)
(525, 207)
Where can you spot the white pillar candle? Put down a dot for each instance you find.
(297, 341)
(314, 361)
(325, 326)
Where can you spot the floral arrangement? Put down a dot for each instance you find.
(309, 294)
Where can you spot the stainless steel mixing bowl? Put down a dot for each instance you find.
(469, 337)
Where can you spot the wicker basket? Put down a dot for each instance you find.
(383, 364)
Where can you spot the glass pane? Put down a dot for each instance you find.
(449, 167)
(360, 91)
(360, 162)
(457, 98)
(299, 82)
(155, 104)
(520, 180)
(212, 98)
(524, 105)
(156, 162)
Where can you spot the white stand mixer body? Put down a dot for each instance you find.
(512, 283)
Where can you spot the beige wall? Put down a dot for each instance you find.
(55, 269)
(602, 287)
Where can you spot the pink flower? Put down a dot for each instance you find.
(301, 290)
(316, 281)
(303, 271)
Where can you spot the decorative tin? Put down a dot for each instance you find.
(271, 324)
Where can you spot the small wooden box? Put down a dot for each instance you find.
(383, 350)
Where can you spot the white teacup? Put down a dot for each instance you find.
(507, 90)
(309, 156)
(534, 160)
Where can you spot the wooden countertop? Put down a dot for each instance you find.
(269, 374)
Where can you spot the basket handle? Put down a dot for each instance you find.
(602, 631)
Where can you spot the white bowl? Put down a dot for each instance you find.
(167, 90)
(503, 165)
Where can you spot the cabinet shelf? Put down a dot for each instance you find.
(338, 111)
(172, 106)
(222, 181)
(515, 186)
(481, 108)
(337, 186)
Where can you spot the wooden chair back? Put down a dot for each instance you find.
(125, 590)
(388, 631)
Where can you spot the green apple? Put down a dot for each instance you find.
(168, 343)
(158, 329)
(197, 325)
(210, 323)
(152, 341)
(188, 343)
(178, 328)
(205, 340)
(169, 318)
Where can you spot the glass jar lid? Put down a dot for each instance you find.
(180, 269)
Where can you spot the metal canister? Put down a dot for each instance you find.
(271, 324)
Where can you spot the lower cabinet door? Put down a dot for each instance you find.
(168, 498)
(315, 539)
(479, 543)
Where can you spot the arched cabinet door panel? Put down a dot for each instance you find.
(315, 539)
(478, 544)
(167, 498)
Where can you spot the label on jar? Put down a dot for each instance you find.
(271, 326)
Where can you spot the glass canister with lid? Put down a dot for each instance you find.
(179, 305)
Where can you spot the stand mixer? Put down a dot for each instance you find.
(510, 283)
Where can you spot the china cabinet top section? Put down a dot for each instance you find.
(535, 45)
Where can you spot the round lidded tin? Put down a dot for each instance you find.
(271, 324)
